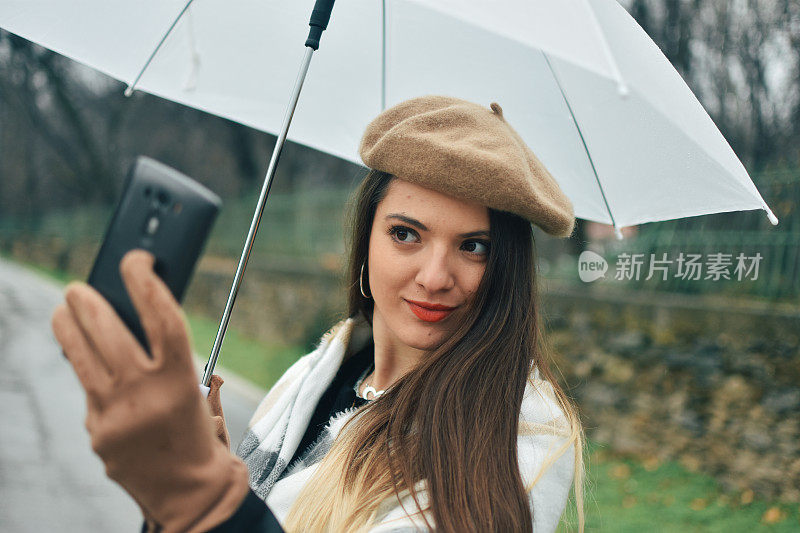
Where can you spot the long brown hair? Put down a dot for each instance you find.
(461, 438)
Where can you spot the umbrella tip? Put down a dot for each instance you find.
(622, 89)
(618, 233)
(129, 91)
(771, 216)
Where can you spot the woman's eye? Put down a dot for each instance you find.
(476, 247)
(403, 234)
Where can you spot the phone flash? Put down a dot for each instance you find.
(152, 225)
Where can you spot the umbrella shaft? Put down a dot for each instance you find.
(251, 234)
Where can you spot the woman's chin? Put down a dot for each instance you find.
(424, 337)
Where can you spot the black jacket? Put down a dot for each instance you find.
(253, 515)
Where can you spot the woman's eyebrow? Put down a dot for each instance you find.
(481, 233)
(423, 227)
(408, 220)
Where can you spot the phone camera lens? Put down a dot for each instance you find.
(163, 199)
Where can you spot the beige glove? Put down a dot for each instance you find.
(146, 417)
(217, 416)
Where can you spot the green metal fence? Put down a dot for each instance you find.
(307, 229)
(719, 243)
(305, 226)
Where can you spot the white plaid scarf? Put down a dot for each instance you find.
(281, 420)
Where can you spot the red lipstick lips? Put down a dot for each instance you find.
(430, 312)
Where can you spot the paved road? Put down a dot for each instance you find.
(50, 480)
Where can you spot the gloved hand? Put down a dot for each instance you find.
(217, 416)
(146, 417)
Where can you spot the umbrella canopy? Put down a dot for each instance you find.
(581, 82)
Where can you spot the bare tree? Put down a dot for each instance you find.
(41, 96)
(742, 59)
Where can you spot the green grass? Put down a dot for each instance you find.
(623, 494)
(259, 362)
(629, 495)
(55, 275)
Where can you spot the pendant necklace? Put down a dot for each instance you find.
(369, 389)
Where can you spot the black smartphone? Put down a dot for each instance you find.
(161, 211)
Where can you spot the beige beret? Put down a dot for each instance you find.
(467, 151)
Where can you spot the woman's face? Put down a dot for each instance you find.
(427, 254)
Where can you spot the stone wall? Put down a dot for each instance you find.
(289, 303)
(713, 383)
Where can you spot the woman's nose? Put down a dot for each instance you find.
(436, 272)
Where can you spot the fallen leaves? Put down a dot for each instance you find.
(620, 471)
(698, 504)
(773, 515)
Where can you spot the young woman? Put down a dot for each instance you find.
(431, 406)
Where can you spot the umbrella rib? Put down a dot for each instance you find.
(622, 87)
(583, 141)
(383, 55)
(132, 86)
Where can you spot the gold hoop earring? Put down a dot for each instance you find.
(361, 281)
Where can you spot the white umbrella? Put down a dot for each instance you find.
(580, 81)
(583, 84)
